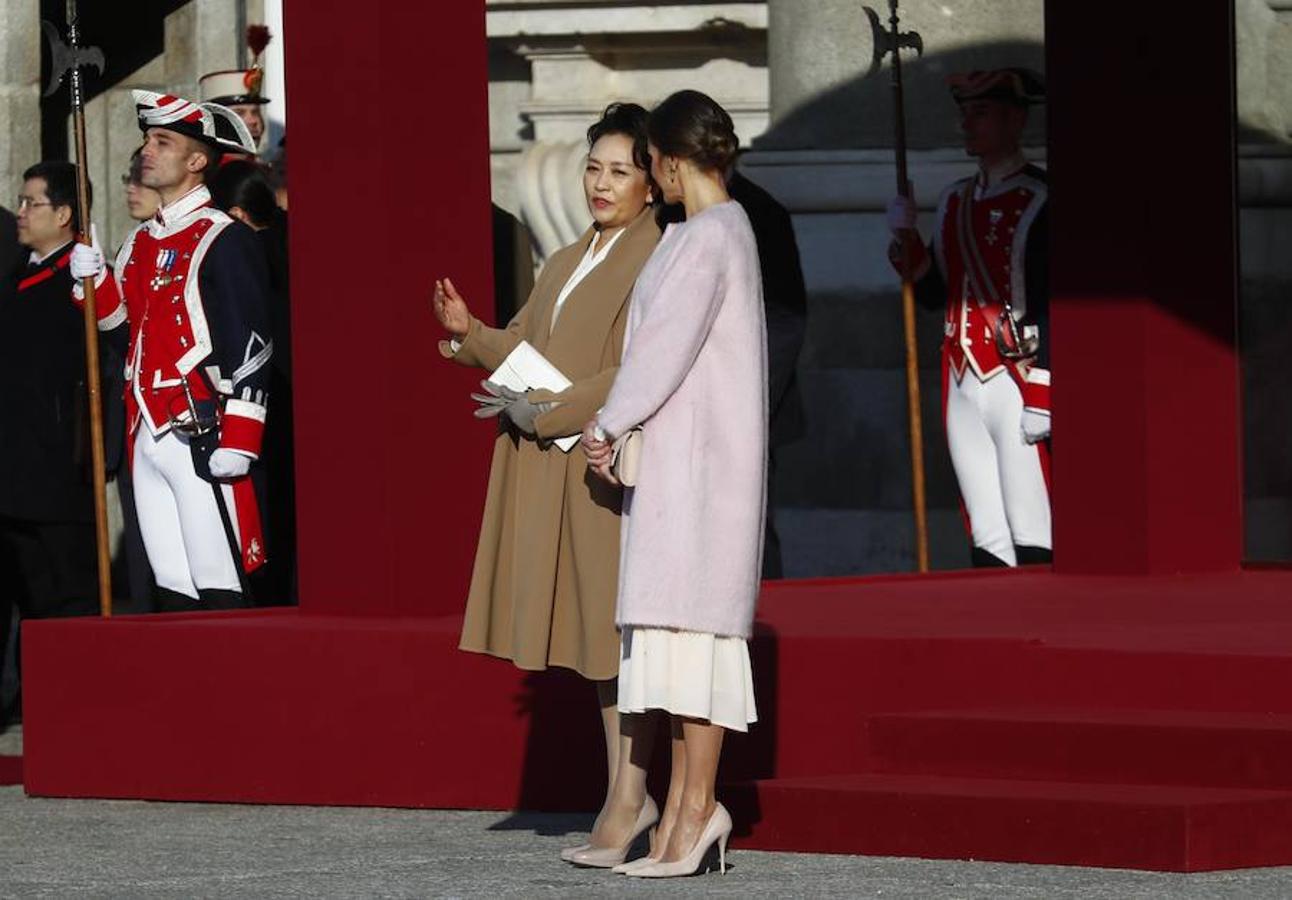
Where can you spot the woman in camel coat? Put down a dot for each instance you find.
(547, 565)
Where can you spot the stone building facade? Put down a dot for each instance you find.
(817, 127)
(167, 49)
(816, 124)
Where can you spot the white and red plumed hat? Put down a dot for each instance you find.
(1022, 87)
(238, 87)
(207, 122)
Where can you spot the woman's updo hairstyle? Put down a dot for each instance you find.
(692, 126)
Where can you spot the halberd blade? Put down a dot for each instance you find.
(60, 57)
(63, 58)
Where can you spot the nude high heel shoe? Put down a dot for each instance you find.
(623, 868)
(716, 830)
(629, 867)
(568, 853)
(609, 857)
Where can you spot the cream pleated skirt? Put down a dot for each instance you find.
(687, 673)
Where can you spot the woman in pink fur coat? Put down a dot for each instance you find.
(694, 376)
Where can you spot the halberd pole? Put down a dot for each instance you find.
(891, 41)
(67, 59)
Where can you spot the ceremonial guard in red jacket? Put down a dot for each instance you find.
(190, 292)
(987, 267)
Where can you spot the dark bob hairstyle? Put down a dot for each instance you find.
(627, 119)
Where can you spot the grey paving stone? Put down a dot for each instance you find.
(128, 849)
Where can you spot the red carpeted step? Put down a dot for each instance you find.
(1215, 749)
(10, 770)
(1166, 828)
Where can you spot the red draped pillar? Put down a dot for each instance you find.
(389, 188)
(1147, 472)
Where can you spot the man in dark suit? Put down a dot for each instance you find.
(785, 304)
(10, 251)
(47, 550)
(785, 308)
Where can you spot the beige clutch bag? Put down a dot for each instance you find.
(626, 456)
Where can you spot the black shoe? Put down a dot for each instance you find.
(213, 598)
(11, 715)
(166, 600)
(1033, 556)
(984, 559)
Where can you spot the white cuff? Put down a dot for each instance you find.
(245, 408)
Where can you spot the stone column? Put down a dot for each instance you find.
(1280, 61)
(803, 41)
(19, 93)
(820, 54)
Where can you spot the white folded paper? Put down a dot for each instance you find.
(525, 369)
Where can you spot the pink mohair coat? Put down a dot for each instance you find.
(694, 374)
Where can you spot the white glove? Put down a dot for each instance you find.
(1036, 426)
(226, 463)
(902, 213)
(87, 260)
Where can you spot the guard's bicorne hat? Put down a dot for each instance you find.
(1022, 87)
(234, 87)
(238, 87)
(208, 122)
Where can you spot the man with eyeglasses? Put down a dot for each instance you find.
(47, 550)
(193, 309)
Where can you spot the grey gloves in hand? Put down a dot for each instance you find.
(499, 400)
(492, 402)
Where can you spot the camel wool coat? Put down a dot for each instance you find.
(546, 568)
(694, 375)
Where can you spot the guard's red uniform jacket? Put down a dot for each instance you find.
(989, 243)
(192, 287)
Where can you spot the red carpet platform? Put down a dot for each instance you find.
(1033, 717)
(10, 770)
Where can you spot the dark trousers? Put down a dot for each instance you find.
(47, 570)
(132, 577)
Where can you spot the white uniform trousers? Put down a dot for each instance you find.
(179, 519)
(1001, 478)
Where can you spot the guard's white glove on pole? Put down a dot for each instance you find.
(902, 214)
(87, 262)
(226, 463)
